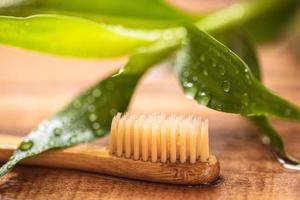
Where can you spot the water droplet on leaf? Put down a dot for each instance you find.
(57, 131)
(51, 143)
(266, 140)
(96, 125)
(190, 92)
(187, 84)
(248, 79)
(226, 86)
(30, 153)
(221, 70)
(9, 166)
(245, 99)
(26, 145)
(97, 92)
(203, 98)
(72, 139)
(214, 64)
(92, 117)
(219, 107)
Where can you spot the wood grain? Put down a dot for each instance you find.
(33, 86)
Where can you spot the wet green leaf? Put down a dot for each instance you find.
(131, 13)
(217, 78)
(241, 44)
(89, 115)
(68, 36)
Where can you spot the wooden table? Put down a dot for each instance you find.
(33, 86)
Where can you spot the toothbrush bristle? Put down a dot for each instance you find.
(158, 137)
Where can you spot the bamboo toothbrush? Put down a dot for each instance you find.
(151, 147)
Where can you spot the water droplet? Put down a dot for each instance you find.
(96, 125)
(248, 78)
(203, 98)
(221, 70)
(202, 58)
(9, 166)
(187, 84)
(72, 139)
(96, 93)
(57, 131)
(214, 64)
(30, 153)
(51, 143)
(26, 145)
(287, 161)
(245, 99)
(190, 92)
(219, 107)
(266, 140)
(12, 158)
(226, 86)
(215, 105)
(92, 117)
(77, 104)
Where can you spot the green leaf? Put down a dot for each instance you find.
(68, 36)
(217, 78)
(240, 43)
(130, 13)
(89, 115)
(263, 19)
(275, 142)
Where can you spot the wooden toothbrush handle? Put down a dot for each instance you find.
(82, 157)
(91, 158)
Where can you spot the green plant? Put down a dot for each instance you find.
(208, 70)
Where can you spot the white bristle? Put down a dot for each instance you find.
(157, 137)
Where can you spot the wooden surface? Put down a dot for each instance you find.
(33, 86)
